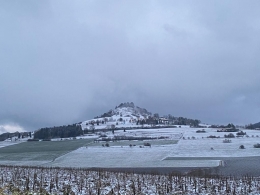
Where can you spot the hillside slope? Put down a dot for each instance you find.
(124, 115)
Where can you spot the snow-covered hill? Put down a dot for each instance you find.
(124, 115)
(128, 110)
(129, 115)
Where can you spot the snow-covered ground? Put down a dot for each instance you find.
(167, 152)
(201, 145)
(8, 143)
(190, 144)
(170, 133)
(126, 157)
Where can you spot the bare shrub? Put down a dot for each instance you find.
(257, 145)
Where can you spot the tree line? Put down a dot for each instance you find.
(253, 126)
(58, 132)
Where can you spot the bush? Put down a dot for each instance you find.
(257, 145)
(147, 144)
(213, 136)
(241, 133)
(242, 147)
(33, 140)
(230, 135)
(201, 131)
(107, 144)
(227, 130)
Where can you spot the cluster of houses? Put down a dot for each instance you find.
(18, 135)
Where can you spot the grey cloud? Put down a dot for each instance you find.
(64, 62)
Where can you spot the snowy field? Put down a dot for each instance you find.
(126, 157)
(201, 145)
(182, 147)
(7, 143)
(163, 153)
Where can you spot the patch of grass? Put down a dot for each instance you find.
(28, 151)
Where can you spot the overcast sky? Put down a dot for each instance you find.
(63, 62)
